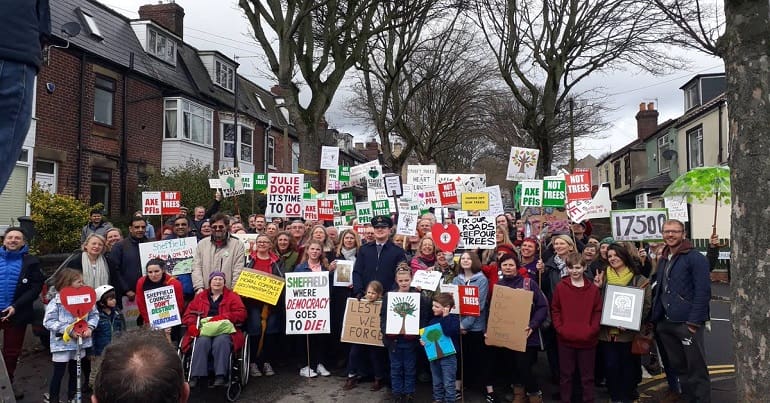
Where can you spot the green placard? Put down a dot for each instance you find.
(380, 207)
(260, 182)
(344, 173)
(306, 191)
(554, 192)
(346, 201)
(517, 197)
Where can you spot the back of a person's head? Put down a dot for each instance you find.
(140, 366)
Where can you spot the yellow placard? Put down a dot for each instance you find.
(260, 286)
(478, 201)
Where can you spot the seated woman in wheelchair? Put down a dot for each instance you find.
(203, 320)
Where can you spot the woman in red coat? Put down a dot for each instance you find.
(157, 277)
(215, 303)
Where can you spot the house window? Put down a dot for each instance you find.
(695, 148)
(45, 175)
(616, 168)
(224, 75)
(270, 152)
(90, 23)
(247, 145)
(100, 188)
(161, 46)
(295, 157)
(663, 145)
(185, 120)
(692, 96)
(228, 140)
(104, 99)
(259, 100)
(606, 173)
(627, 169)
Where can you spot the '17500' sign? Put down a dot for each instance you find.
(639, 224)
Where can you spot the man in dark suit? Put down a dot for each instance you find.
(377, 260)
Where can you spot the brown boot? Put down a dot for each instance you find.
(518, 395)
(535, 398)
(377, 385)
(350, 383)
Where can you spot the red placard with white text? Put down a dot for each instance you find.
(170, 203)
(469, 300)
(447, 193)
(325, 210)
(579, 186)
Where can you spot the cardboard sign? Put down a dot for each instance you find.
(284, 195)
(310, 210)
(364, 212)
(437, 344)
(343, 274)
(522, 164)
(579, 186)
(79, 302)
(447, 193)
(307, 303)
(421, 174)
(258, 285)
(536, 217)
(325, 210)
(677, 208)
(393, 185)
(380, 207)
(346, 201)
(260, 182)
(426, 280)
(509, 313)
(446, 237)
(403, 313)
(407, 223)
(230, 181)
(477, 232)
(329, 157)
(638, 224)
(162, 309)
(532, 193)
(554, 192)
(361, 323)
(470, 304)
(178, 254)
(475, 201)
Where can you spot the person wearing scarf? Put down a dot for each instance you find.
(157, 277)
(623, 369)
(96, 268)
(286, 249)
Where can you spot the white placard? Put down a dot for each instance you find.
(600, 205)
(426, 280)
(403, 313)
(178, 254)
(364, 212)
(310, 210)
(407, 222)
(284, 195)
(495, 201)
(330, 157)
(247, 178)
(162, 309)
(522, 164)
(214, 183)
(421, 174)
(367, 175)
(464, 182)
(343, 274)
(393, 185)
(428, 197)
(638, 224)
(452, 289)
(531, 193)
(677, 209)
(230, 181)
(477, 232)
(151, 203)
(307, 303)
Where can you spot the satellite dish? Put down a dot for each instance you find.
(71, 29)
(668, 155)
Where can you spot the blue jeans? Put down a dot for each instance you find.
(403, 366)
(444, 372)
(16, 85)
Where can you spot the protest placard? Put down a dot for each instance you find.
(464, 182)
(346, 201)
(310, 210)
(447, 193)
(403, 313)
(509, 313)
(332, 180)
(178, 254)
(428, 197)
(325, 210)
(477, 232)
(170, 203)
(284, 195)
(130, 312)
(343, 173)
(554, 193)
(230, 181)
(151, 203)
(452, 289)
(343, 274)
(260, 182)
(476, 201)
(329, 157)
(407, 222)
(426, 280)
(162, 309)
(307, 303)
(470, 305)
(380, 207)
(361, 323)
(364, 212)
(495, 201)
(421, 174)
(437, 344)
(522, 164)
(259, 285)
(677, 208)
(532, 193)
(367, 175)
(247, 178)
(600, 205)
(638, 224)
(214, 183)
(307, 193)
(579, 186)
(393, 185)
(577, 209)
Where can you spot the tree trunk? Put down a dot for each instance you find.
(439, 351)
(403, 325)
(310, 152)
(744, 48)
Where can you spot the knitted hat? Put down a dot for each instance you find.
(216, 274)
(505, 248)
(607, 240)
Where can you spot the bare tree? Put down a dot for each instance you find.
(698, 23)
(544, 48)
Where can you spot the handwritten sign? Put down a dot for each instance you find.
(452, 289)
(284, 195)
(509, 313)
(638, 224)
(677, 208)
(162, 310)
(421, 174)
(469, 300)
(178, 254)
(361, 323)
(260, 286)
(477, 201)
(407, 222)
(495, 201)
(477, 232)
(230, 181)
(426, 280)
(307, 303)
(393, 185)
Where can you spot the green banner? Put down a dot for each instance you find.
(260, 182)
(380, 207)
(554, 192)
(346, 201)
(344, 173)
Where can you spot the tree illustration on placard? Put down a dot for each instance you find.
(433, 336)
(403, 307)
(524, 158)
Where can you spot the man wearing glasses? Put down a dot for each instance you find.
(377, 260)
(680, 310)
(218, 252)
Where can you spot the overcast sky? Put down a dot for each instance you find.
(222, 26)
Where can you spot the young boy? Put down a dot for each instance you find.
(576, 311)
(444, 369)
(111, 322)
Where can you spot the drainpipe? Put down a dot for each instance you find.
(79, 176)
(720, 155)
(264, 145)
(124, 140)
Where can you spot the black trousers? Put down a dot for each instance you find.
(687, 355)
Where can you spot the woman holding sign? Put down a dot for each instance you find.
(156, 278)
(472, 327)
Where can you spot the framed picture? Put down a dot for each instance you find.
(623, 307)
(343, 274)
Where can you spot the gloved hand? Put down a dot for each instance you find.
(193, 331)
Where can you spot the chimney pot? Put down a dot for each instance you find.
(642, 107)
(651, 106)
(168, 15)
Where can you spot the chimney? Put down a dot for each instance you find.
(646, 120)
(167, 15)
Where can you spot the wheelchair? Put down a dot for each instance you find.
(238, 374)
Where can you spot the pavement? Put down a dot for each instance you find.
(287, 387)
